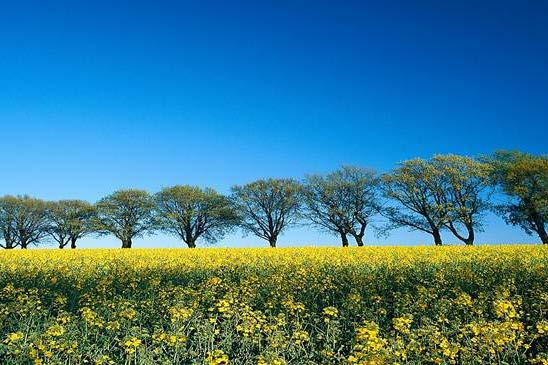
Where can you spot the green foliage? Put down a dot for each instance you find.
(342, 202)
(70, 220)
(192, 213)
(464, 183)
(447, 191)
(8, 209)
(267, 207)
(524, 178)
(416, 187)
(126, 214)
(23, 219)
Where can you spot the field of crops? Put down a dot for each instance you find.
(285, 306)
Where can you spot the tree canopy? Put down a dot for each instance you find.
(126, 214)
(191, 213)
(415, 187)
(267, 207)
(70, 220)
(23, 219)
(464, 182)
(524, 179)
(342, 202)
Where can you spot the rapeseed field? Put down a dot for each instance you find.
(378, 305)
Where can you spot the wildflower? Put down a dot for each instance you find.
(403, 324)
(13, 337)
(217, 357)
(104, 360)
(330, 312)
(505, 309)
(179, 314)
(542, 327)
(299, 337)
(128, 313)
(56, 330)
(131, 345)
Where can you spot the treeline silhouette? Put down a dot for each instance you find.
(446, 193)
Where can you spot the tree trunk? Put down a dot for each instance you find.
(126, 243)
(437, 237)
(73, 242)
(189, 238)
(9, 244)
(24, 244)
(469, 241)
(542, 234)
(359, 240)
(61, 245)
(344, 239)
(538, 226)
(358, 236)
(272, 241)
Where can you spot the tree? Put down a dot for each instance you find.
(414, 186)
(24, 221)
(70, 220)
(8, 208)
(267, 207)
(463, 184)
(126, 214)
(524, 179)
(192, 213)
(342, 202)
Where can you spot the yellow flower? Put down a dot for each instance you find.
(300, 337)
(56, 330)
(542, 327)
(217, 357)
(131, 345)
(14, 336)
(128, 313)
(505, 309)
(180, 314)
(403, 324)
(330, 312)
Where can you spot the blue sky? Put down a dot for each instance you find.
(97, 96)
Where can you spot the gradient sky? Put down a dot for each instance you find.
(97, 96)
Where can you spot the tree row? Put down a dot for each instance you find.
(446, 193)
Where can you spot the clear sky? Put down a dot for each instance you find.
(101, 95)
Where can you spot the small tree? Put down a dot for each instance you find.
(463, 184)
(267, 207)
(24, 221)
(126, 214)
(414, 186)
(524, 179)
(192, 213)
(70, 220)
(8, 209)
(342, 202)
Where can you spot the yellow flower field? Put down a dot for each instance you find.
(389, 305)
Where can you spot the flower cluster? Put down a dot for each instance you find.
(427, 305)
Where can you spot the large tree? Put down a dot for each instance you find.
(464, 190)
(342, 202)
(192, 213)
(524, 179)
(24, 221)
(414, 187)
(267, 207)
(70, 220)
(126, 214)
